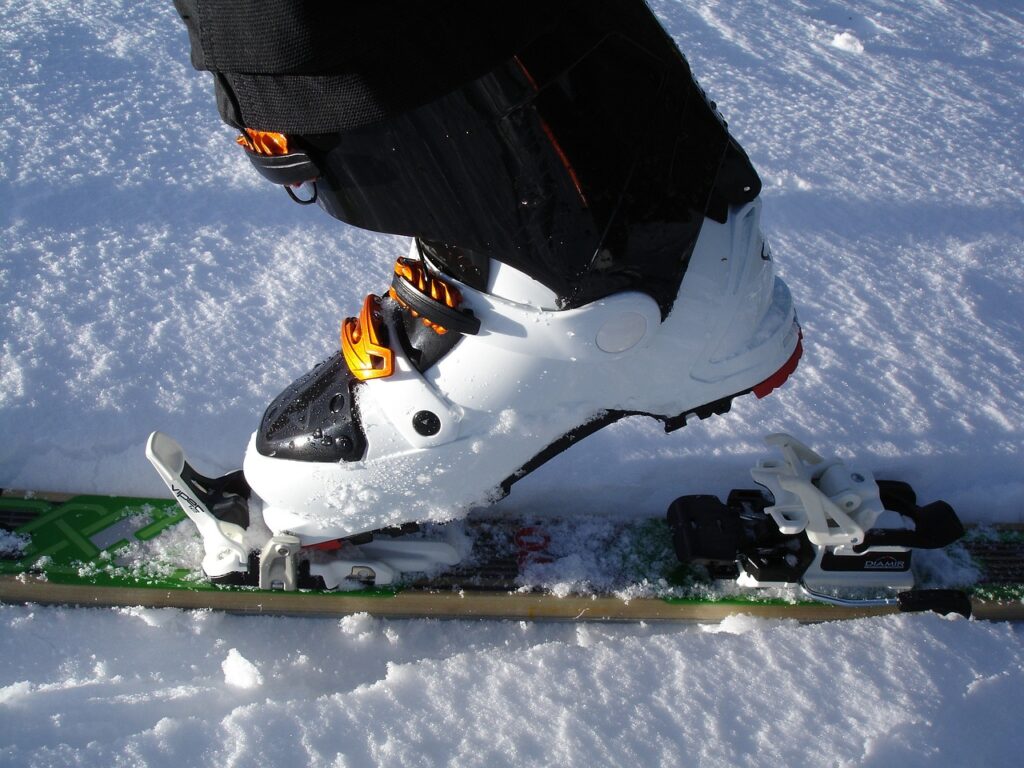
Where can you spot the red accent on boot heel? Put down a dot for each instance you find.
(777, 379)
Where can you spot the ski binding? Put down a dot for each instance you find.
(240, 548)
(818, 524)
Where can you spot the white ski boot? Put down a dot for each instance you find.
(533, 380)
(430, 444)
(587, 247)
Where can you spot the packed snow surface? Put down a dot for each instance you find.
(149, 279)
(162, 687)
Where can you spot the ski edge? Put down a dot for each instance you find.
(452, 604)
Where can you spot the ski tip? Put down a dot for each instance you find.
(941, 601)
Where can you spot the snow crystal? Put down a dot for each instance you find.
(178, 547)
(240, 672)
(12, 544)
(847, 41)
(741, 624)
(11, 694)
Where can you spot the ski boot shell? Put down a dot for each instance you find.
(587, 246)
(374, 438)
(532, 381)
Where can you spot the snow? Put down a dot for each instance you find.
(150, 280)
(147, 687)
(847, 41)
(240, 672)
(12, 544)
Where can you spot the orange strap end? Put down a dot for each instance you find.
(263, 142)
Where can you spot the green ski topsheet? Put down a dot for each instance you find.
(88, 540)
(99, 542)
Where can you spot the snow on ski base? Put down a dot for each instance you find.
(150, 280)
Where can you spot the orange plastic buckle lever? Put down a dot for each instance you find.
(437, 289)
(366, 357)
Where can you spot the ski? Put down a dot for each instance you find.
(116, 551)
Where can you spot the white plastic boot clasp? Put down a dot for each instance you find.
(279, 563)
(823, 498)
